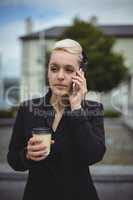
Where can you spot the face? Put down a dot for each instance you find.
(62, 66)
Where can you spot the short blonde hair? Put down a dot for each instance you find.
(70, 46)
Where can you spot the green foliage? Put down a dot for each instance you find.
(6, 114)
(111, 113)
(105, 68)
(11, 113)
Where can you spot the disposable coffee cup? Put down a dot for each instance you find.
(43, 133)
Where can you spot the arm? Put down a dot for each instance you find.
(87, 130)
(16, 156)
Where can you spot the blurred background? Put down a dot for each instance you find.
(28, 31)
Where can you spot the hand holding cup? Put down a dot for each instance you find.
(38, 147)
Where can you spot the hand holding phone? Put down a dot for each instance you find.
(78, 89)
(73, 88)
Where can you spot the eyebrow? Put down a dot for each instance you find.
(56, 64)
(70, 66)
(53, 64)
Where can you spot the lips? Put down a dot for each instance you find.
(59, 85)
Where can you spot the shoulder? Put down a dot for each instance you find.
(32, 103)
(93, 108)
(35, 101)
(92, 104)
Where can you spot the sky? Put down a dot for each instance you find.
(48, 13)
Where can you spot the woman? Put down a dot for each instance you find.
(77, 132)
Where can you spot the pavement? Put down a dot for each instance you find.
(128, 122)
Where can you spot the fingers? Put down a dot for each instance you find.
(52, 141)
(76, 78)
(78, 83)
(79, 76)
(37, 153)
(34, 140)
(36, 150)
(80, 73)
(38, 158)
(37, 147)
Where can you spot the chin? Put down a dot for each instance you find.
(60, 92)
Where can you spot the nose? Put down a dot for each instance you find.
(60, 74)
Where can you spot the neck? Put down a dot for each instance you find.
(56, 101)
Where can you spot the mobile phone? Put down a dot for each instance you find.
(72, 88)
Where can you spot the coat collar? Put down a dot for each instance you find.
(49, 105)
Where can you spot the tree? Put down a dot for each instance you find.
(105, 69)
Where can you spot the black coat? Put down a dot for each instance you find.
(79, 142)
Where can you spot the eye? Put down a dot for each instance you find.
(69, 70)
(53, 68)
